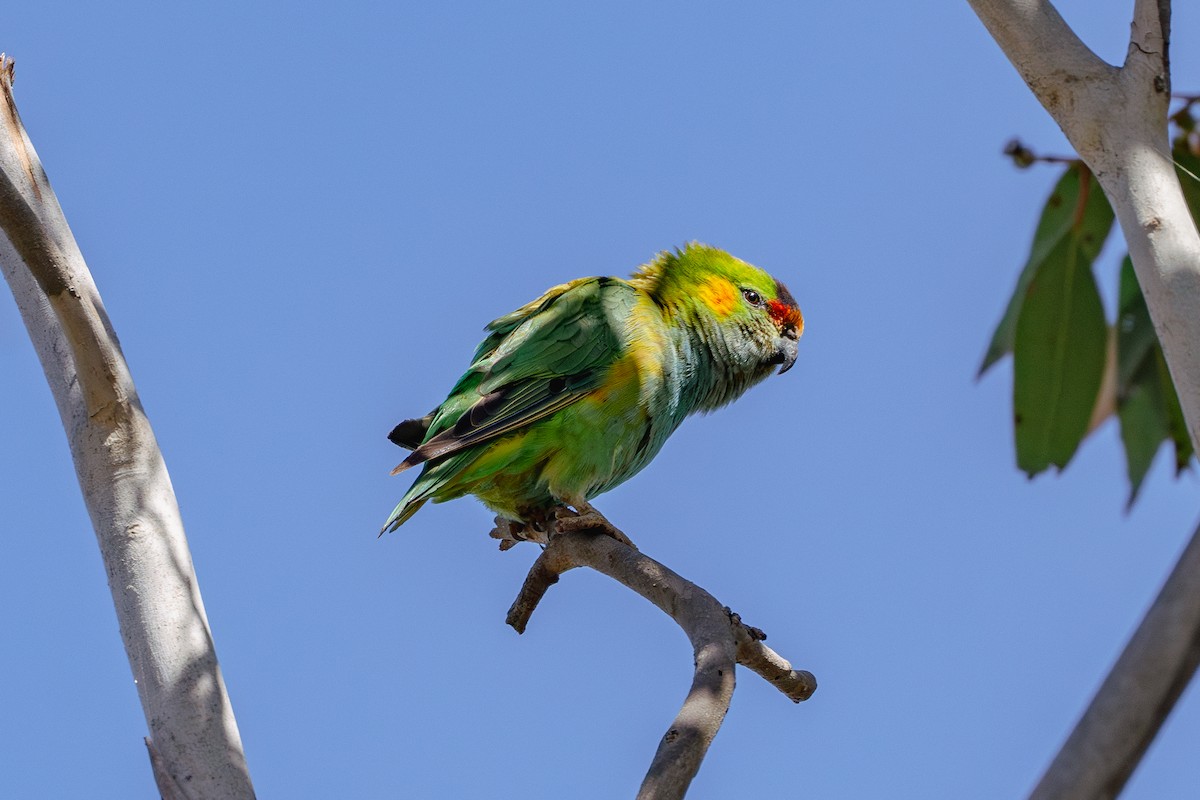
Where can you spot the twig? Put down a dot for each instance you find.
(798, 685)
(1024, 157)
(542, 575)
(719, 640)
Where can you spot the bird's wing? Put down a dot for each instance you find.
(411, 432)
(499, 328)
(538, 360)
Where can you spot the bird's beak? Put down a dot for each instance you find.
(786, 345)
(786, 354)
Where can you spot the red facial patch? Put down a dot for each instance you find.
(783, 309)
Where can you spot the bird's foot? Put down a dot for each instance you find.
(586, 518)
(510, 532)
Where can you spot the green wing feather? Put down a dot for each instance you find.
(535, 361)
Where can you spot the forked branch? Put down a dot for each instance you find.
(719, 638)
(1116, 118)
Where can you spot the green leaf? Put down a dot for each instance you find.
(1143, 429)
(1147, 405)
(1076, 210)
(1136, 338)
(1060, 338)
(1176, 424)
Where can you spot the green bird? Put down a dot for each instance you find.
(577, 391)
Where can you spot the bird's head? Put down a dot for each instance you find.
(756, 317)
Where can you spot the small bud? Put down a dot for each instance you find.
(1021, 155)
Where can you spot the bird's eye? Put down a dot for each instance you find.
(753, 297)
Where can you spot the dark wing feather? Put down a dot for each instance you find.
(410, 433)
(538, 361)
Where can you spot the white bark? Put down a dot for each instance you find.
(1136, 697)
(193, 734)
(1116, 118)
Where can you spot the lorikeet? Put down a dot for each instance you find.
(577, 391)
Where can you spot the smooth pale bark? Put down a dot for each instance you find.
(194, 742)
(1136, 697)
(1116, 118)
(719, 640)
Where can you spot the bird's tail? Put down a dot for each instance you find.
(430, 485)
(401, 513)
(408, 434)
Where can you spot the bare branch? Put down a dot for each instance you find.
(719, 641)
(1149, 39)
(1136, 697)
(798, 685)
(553, 561)
(168, 785)
(47, 254)
(1053, 61)
(124, 480)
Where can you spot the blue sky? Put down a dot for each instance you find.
(301, 218)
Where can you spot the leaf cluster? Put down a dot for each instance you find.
(1071, 367)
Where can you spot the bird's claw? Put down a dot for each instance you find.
(510, 532)
(586, 518)
(583, 517)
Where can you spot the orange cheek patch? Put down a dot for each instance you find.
(719, 295)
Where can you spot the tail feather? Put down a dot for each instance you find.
(430, 485)
(403, 465)
(401, 514)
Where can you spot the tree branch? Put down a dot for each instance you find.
(1149, 39)
(1136, 697)
(719, 641)
(1117, 121)
(1052, 60)
(123, 477)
